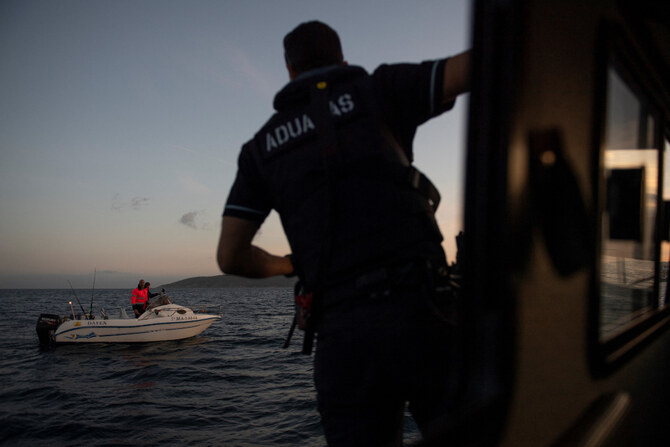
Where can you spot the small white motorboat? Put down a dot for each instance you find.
(161, 321)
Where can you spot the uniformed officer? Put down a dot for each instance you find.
(335, 162)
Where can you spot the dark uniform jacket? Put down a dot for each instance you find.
(336, 169)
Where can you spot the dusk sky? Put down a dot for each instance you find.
(121, 122)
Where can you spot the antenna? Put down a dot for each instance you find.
(75, 295)
(90, 312)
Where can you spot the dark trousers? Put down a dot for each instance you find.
(139, 308)
(373, 355)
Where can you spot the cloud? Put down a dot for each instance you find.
(138, 203)
(196, 220)
(135, 203)
(188, 219)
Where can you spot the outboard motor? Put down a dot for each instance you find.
(46, 326)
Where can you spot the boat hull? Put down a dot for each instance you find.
(133, 330)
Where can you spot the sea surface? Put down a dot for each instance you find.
(232, 385)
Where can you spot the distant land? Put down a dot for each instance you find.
(223, 281)
(107, 279)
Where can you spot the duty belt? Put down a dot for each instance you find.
(374, 282)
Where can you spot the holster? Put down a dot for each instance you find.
(303, 318)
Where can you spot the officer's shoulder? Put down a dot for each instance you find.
(387, 69)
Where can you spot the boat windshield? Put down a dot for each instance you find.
(160, 300)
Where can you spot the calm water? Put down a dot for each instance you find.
(232, 385)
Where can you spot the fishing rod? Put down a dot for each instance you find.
(90, 312)
(75, 295)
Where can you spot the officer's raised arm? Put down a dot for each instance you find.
(456, 76)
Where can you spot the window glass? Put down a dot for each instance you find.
(631, 272)
(665, 224)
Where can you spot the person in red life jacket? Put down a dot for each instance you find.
(139, 298)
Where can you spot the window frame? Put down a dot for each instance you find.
(615, 52)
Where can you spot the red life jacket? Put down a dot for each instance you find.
(139, 296)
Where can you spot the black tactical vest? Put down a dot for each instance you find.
(350, 208)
